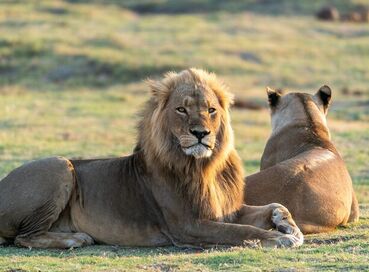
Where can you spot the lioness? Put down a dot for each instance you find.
(300, 166)
(183, 185)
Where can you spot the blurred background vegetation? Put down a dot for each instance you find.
(71, 71)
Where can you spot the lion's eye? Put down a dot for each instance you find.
(211, 110)
(181, 109)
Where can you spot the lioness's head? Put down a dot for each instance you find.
(298, 107)
(188, 115)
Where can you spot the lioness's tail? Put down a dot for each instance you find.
(354, 215)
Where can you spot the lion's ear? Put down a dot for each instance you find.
(324, 94)
(273, 96)
(159, 90)
(226, 99)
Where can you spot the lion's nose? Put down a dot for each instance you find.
(199, 134)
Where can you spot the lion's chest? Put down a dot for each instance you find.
(216, 199)
(216, 204)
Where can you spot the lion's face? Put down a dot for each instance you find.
(187, 115)
(194, 117)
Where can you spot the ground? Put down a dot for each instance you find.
(71, 84)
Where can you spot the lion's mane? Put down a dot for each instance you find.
(213, 186)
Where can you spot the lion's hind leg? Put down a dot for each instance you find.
(54, 240)
(32, 198)
(33, 231)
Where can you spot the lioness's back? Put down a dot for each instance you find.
(301, 167)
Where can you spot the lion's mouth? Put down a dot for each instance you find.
(199, 143)
(198, 150)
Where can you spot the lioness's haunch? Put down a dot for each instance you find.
(183, 184)
(300, 166)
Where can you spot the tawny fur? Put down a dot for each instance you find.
(176, 188)
(300, 166)
(214, 186)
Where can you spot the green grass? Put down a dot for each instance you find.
(346, 249)
(71, 84)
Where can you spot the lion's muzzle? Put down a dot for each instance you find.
(198, 150)
(199, 134)
(199, 144)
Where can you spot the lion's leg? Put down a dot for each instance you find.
(32, 197)
(54, 240)
(211, 232)
(269, 216)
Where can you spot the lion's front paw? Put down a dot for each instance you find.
(284, 240)
(284, 222)
(81, 239)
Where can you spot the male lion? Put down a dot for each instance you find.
(183, 185)
(301, 168)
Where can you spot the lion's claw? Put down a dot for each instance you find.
(284, 223)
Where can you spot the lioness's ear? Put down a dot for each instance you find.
(324, 94)
(273, 96)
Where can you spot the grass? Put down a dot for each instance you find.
(346, 249)
(70, 84)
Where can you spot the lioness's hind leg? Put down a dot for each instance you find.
(55, 240)
(308, 228)
(354, 212)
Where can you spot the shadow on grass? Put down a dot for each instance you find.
(81, 70)
(37, 62)
(269, 7)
